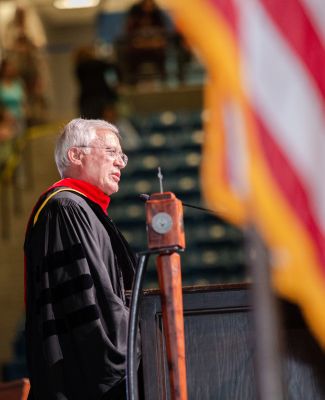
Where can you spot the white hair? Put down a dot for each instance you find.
(78, 132)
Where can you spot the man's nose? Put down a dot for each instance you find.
(119, 161)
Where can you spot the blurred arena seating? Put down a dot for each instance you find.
(172, 140)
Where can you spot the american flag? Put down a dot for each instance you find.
(264, 145)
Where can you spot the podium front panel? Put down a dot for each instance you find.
(219, 341)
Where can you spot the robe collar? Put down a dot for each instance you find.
(92, 192)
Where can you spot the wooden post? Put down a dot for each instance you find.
(165, 229)
(170, 282)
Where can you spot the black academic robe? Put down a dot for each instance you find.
(77, 267)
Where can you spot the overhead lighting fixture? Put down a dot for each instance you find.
(69, 4)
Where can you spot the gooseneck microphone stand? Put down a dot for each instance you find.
(132, 389)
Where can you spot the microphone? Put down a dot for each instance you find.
(145, 197)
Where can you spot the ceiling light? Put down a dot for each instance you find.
(68, 4)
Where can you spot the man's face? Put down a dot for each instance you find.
(99, 167)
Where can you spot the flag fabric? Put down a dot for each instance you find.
(264, 146)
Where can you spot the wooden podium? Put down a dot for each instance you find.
(219, 339)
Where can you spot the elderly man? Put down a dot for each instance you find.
(78, 266)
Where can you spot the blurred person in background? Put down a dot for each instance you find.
(7, 125)
(22, 47)
(12, 94)
(29, 65)
(145, 40)
(184, 56)
(96, 94)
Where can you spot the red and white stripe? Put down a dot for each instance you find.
(287, 94)
(267, 61)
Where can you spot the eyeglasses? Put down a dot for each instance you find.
(111, 153)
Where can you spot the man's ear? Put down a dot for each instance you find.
(75, 155)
